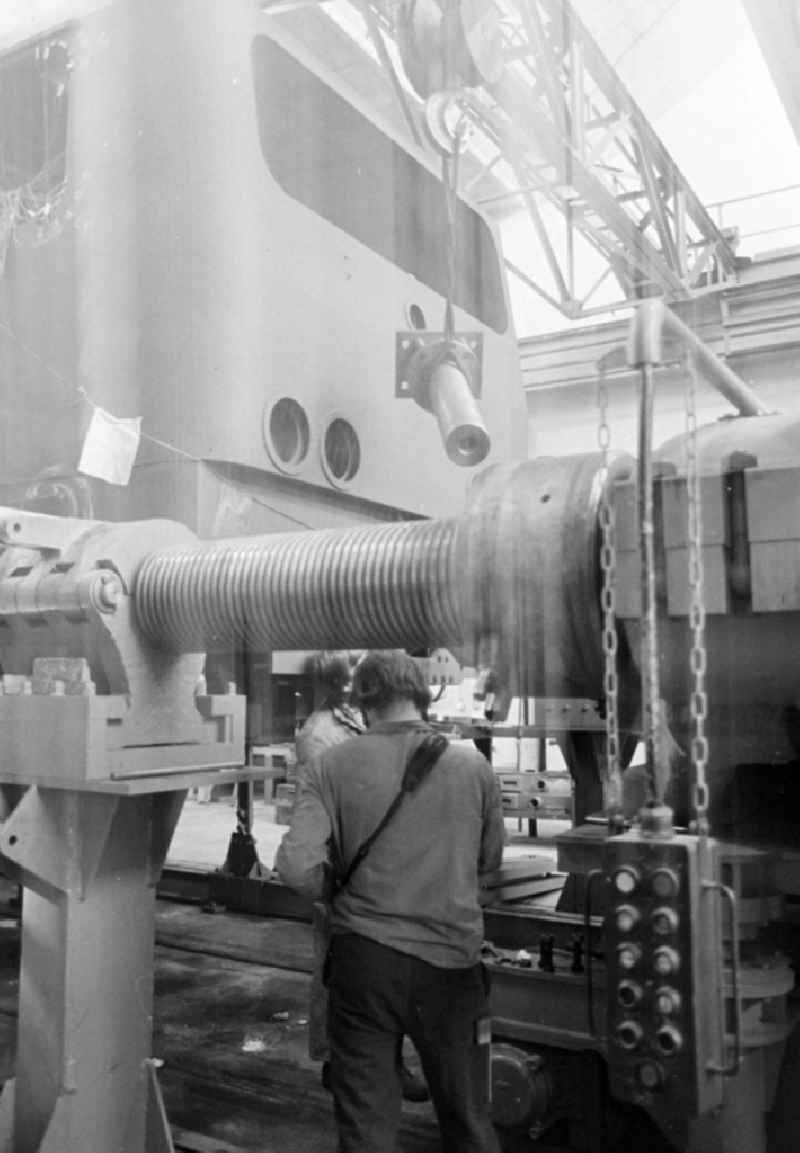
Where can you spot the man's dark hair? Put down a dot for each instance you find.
(383, 677)
(331, 674)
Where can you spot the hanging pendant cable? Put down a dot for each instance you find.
(698, 700)
(450, 167)
(608, 602)
(651, 697)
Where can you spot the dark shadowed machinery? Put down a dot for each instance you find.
(257, 263)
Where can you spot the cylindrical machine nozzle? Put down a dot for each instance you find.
(440, 377)
(453, 403)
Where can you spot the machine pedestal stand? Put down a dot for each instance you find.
(89, 861)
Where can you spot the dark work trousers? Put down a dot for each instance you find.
(377, 995)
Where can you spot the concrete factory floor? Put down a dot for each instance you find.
(231, 1033)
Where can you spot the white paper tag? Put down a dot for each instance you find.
(110, 446)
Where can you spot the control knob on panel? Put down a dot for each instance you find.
(626, 879)
(627, 918)
(666, 961)
(629, 1034)
(629, 994)
(628, 955)
(664, 921)
(651, 1075)
(667, 1001)
(669, 1040)
(665, 884)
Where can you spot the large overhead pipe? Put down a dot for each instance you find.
(709, 365)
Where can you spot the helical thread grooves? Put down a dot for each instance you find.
(376, 586)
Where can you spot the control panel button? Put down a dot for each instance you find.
(626, 879)
(664, 921)
(627, 918)
(666, 961)
(628, 955)
(651, 1075)
(665, 884)
(669, 1040)
(629, 1034)
(667, 1001)
(629, 994)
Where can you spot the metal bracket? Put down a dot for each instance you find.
(592, 876)
(31, 530)
(732, 1067)
(36, 836)
(409, 344)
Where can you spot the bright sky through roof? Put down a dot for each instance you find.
(696, 69)
(730, 133)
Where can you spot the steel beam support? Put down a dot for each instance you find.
(657, 205)
(548, 65)
(598, 65)
(547, 247)
(85, 1082)
(533, 285)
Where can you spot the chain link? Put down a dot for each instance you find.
(608, 603)
(698, 700)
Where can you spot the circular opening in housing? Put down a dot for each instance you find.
(286, 433)
(341, 451)
(416, 318)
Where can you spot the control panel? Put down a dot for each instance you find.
(665, 972)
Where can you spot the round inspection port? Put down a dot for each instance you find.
(416, 318)
(341, 451)
(286, 433)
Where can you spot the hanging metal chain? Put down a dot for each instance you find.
(698, 700)
(608, 602)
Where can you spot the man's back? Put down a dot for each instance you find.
(417, 889)
(407, 925)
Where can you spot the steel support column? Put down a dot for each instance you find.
(84, 1079)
